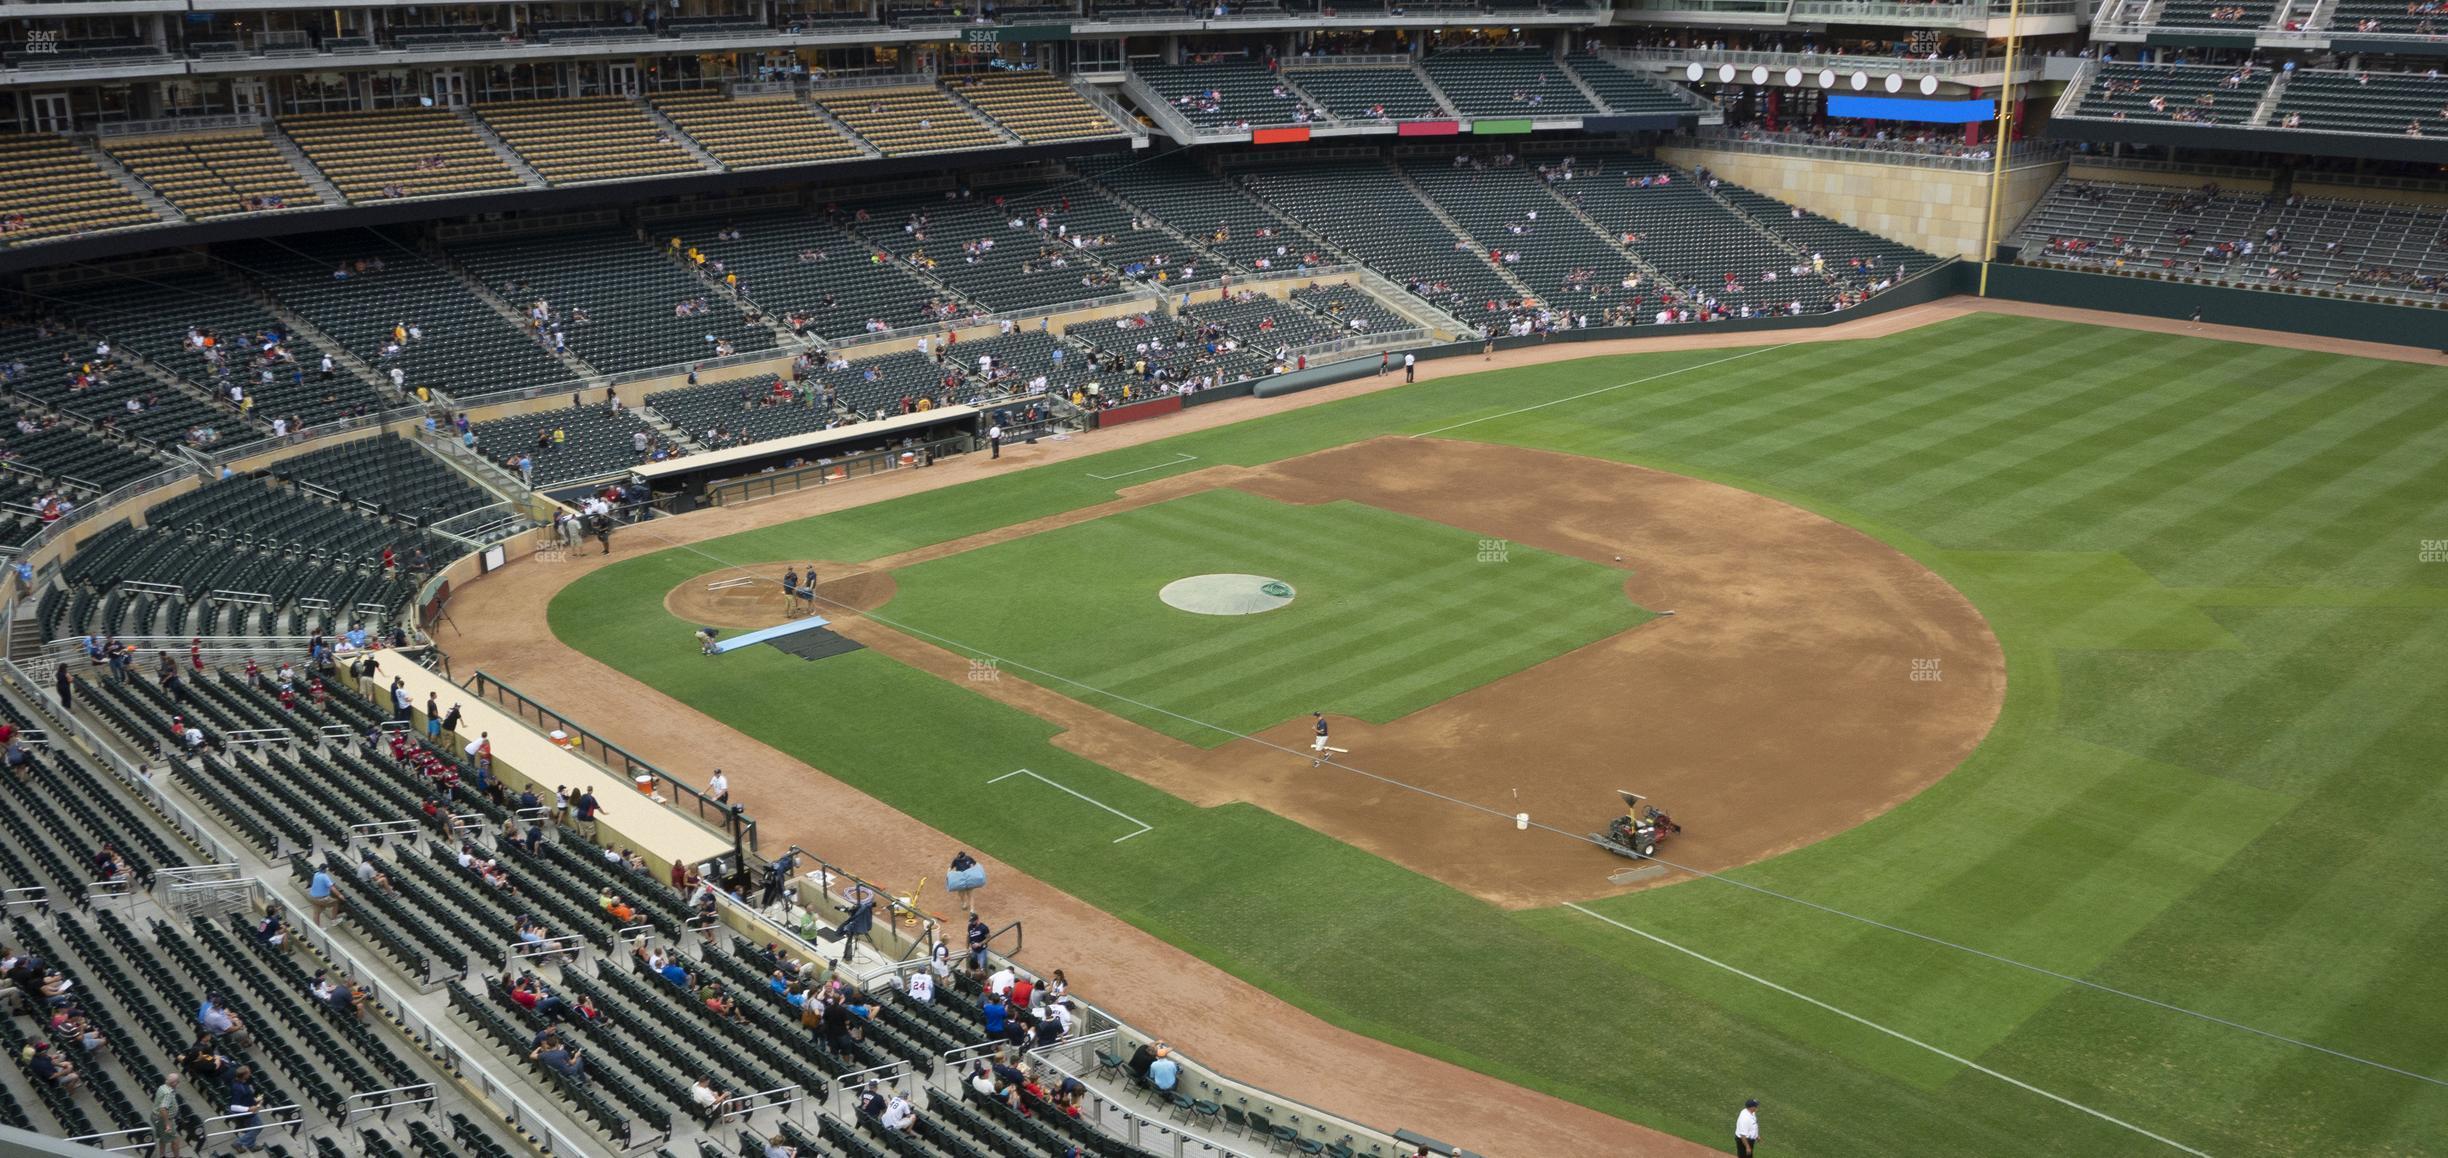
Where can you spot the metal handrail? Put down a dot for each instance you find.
(465, 1067)
(484, 686)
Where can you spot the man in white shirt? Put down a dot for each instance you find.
(708, 1099)
(1746, 1129)
(1000, 982)
(718, 786)
(1410, 368)
(898, 1113)
(994, 441)
(921, 987)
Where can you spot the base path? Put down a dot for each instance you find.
(1235, 1027)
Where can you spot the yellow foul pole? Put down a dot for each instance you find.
(2005, 138)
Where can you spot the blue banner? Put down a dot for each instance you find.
(1935, 112)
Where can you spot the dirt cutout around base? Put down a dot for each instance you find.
(1810, 678)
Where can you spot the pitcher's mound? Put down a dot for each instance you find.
(746, 598)
(1227, 594)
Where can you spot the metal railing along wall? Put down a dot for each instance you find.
(607, 753)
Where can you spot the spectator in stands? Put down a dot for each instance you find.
(369, 871)
(202, 1060)
(978, 934)
(920, 988)
(1164, 1073)
(565, 1060)
(779, 1147)
(586, 807)
(323, 895)
(42, 1067)
(247, 1118)
(219, 1022)
(899, 1115)
(709, 1100)
(165, 1117)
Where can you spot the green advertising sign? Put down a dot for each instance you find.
(1507, 125)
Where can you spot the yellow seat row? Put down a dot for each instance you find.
(216, 175)
(754, 132)
(421, 152)
(587, 138)
(902, 121)
(48, 187)
(1035, 106)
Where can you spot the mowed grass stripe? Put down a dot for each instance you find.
(2391, 455)
(2028, 422)
(1768, 394)
(2237, 492)
(2051, 507)
(1394, 613)
(1763, 435)
(1980, 484)
(1288, 539)
(1879, 441)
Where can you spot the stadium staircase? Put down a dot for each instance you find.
(1444, 100)
(1649, 273)
(1582, 83)
(2266, 112)
(527, 174)
(342, 356)
(966, 105)
(327, 192)
(509, 310)
(1520, 287)
(1777, 239)
(866, 150)
(679, 136)
(133, 184)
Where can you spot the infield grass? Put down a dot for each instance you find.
(1391, 613)
(2216, 781)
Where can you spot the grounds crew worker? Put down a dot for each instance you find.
(1746, 1128)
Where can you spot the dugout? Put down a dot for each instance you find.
(815, 458)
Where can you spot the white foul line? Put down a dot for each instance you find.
(1144, 827)
(1899, 1036)
(1177, 461)
(1604, 389)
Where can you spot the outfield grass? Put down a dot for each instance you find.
(2215, 782)
(1392, 613)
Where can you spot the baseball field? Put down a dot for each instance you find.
(2054, 713)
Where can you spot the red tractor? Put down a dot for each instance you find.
(1639, 830)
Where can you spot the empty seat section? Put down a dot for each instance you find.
(398, 153)
(754, 132)
(50, 188)
(216, 174)
(903, 121)
(1376, 95)
(1224, 94)
(587, 138)
(397, 308)
(1035, 106)
(642, 310)
(1507, 82)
